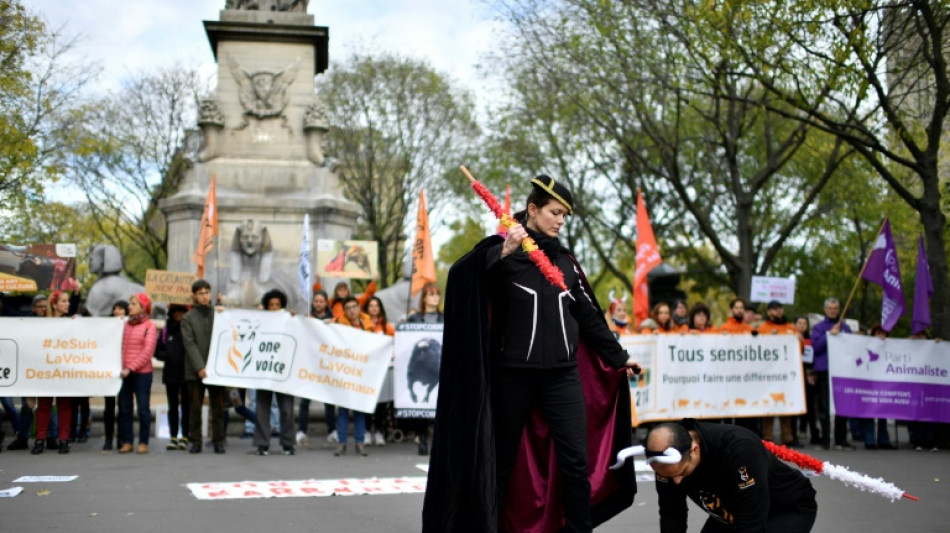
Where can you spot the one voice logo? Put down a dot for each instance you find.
(252, 353)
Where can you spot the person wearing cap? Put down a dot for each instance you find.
(777, 324)
(729, 474)
(522, 353)
(171, 351)
(138, 346)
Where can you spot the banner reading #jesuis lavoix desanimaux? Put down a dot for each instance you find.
(715, 376)
(60, 356)
(890, 378)
(416, 370)
(299, 356)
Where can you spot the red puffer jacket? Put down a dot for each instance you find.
(138, 346)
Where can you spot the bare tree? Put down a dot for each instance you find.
(132, 153)
(397, 125)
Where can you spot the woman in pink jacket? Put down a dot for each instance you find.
(138, 346)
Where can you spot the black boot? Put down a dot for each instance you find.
(19, 443)
(38, 446)
(64, 446)
(423, 445)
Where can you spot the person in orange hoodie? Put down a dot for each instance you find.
(664, 320)
(698, 321)
(341, 292)
(735, 325)
(777, 324)
(353, 318)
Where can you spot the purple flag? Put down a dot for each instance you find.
(923, 290)
(882, 269)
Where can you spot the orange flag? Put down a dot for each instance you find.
(423, 263)
(648, 257)
(501, 227)
(209, 228)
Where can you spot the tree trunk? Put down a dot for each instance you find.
(934, 222)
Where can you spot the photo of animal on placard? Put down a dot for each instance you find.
(347, 259)
(418, 350)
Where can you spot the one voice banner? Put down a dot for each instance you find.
(299, 356)
(60, 356)
(715, 376)
(893, 378)
(416, 371)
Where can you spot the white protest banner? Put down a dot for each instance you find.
(715, 376)
(307, 488)
(61, 356)
(766, 289)
(300, 356)
(642, 348)
(890, 378)
(416, 371)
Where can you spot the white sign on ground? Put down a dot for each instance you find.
(307, 488)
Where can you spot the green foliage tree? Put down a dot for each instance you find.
(396, 126)
(39, 96)
(615, 102)
(875, 74)
(132, 152)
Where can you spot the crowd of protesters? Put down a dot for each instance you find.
(182, 346)
(744, 319)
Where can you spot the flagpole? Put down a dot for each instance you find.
(860, 274)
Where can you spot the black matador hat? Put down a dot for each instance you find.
(555, 189)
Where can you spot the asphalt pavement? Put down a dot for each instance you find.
(145, 493)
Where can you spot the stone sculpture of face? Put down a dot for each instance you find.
(251, 238)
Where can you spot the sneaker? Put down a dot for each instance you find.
(368, 439)
(262, 450)
(361, 450)
(287, 450)
(302, 439)
(845, 447)
(340, 450)
(380, 439)
(142, 449)
(423, 448)
(935, 449)
(918, 448)
(64, 446)
(172, 444)
(19, 444)
(333, 438)
(126, 448)
(219, 448)
(183, 443)
(107, 445)
(38, 447)
(195, 447)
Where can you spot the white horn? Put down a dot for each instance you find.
(625, 454)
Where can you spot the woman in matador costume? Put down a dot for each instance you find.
(533, 395)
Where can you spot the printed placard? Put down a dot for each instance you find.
(60, 356)
(169, 287)
(715, 376)
(416, 370)
(766, 289)
(299, 356)
(347, 259)
(37, 267)
(890, 378)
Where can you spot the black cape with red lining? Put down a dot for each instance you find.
(461, 489)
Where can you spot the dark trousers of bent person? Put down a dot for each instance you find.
(560, 396)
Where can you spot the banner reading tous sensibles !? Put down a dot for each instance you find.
(890, 378)
(60, 356)
(300, 356)
(715, 376)
(416, 371)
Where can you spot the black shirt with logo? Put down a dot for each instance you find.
(738, 482)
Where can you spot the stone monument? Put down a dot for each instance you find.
(262, 138)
